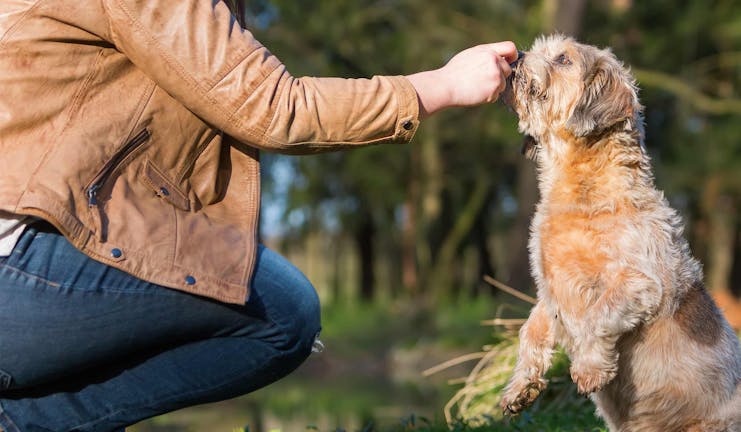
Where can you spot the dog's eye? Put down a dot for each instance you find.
(563, 60)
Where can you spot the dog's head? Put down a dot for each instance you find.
(567, 89)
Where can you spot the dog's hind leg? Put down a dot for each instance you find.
(537, 339)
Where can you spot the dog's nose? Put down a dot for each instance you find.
(520, 55)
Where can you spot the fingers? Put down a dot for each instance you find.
(504, 67)
(504, 53)
(504, 71)
(506, 49)
(473, 76)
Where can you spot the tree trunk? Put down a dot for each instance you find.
(430, 199)
(720, 212)
(481, 237)
(527, 195)
(564, 16)
(736, 268)
(364, 236)
(408, 229)
(721, 245)
(441, 278)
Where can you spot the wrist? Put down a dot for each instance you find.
(433, 93)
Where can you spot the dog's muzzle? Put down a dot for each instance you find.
(520, 55)
(514, 66)
(507, 95)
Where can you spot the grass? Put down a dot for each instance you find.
(552, 422)
(559, 408)
(345, 393)
(473, 407)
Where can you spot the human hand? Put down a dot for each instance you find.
(474, 76)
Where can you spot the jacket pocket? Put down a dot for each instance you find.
(111, 167)
(101, 180)
(164, 187)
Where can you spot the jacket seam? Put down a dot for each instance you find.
(269, 123)
(144, 100)
(249, 269)
(182, 71)
(58, 216)
(238, 58)
(325, 144)
(111, 33)
(76, 103)
(265, 124)
(215, 281)
(11, 30)
(191, 160)
(175, 235)
(400, 106)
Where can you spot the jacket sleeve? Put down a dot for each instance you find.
(195, 50)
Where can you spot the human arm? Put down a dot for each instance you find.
(472, 77)
(197, 52)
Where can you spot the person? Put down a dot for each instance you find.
(131, 279)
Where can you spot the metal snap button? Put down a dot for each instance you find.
(116, 253)
(190, 280)
(408, 125)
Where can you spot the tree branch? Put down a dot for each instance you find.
(688, 93)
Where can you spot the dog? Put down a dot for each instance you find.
(617, 285)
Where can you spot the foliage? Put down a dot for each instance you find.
(433, 235)
(559, 406)
(455, 204)
(361, 330)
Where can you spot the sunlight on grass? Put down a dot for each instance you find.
(475, 407)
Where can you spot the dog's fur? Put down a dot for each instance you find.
(617, 285)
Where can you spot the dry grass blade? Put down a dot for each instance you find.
(452, 362)
(507, 322)
(509, 290)
(482, 387)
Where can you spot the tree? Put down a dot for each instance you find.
(461, 185)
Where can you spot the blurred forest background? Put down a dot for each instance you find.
(409, 231)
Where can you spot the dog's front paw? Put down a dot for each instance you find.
(518, 397)
(592, 378)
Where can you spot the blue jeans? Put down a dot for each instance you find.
(86, 347)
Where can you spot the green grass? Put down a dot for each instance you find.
(368, 327)
(559, 408)
(542, 423)
(355, 331)
(337, 389)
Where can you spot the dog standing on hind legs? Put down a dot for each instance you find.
(617, 285)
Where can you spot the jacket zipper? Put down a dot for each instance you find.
(111, 165)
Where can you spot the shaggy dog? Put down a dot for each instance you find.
(617, 285)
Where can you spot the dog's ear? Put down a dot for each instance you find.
(609, 97)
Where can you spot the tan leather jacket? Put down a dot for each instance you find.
(134, 127)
